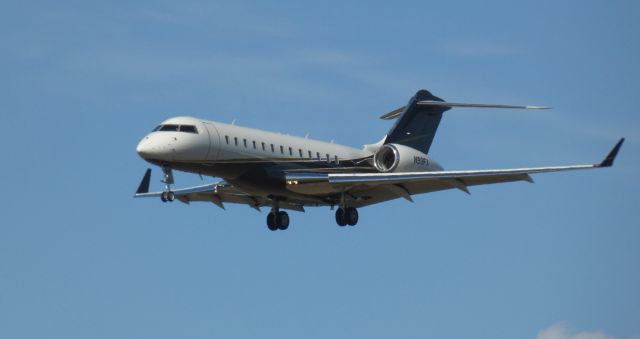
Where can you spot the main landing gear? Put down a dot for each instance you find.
(346, 216)
(277, 219)
(167, 195)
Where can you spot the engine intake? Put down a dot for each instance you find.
(387, 158)
(401, 158)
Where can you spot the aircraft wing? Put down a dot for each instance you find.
(217, 193)
(369, 188)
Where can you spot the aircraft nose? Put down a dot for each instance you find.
(150, 148)
(153, 147)
(144, 148)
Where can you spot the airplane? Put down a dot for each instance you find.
(265, 169)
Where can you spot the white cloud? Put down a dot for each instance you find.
(561, 331)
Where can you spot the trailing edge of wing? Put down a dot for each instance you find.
(397, 112)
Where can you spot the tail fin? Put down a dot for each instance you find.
(419, 120)
(417, 124)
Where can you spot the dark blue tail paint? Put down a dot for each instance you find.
(416, 127)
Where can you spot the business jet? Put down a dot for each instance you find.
(282, 172)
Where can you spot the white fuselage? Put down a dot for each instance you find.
(206, 147)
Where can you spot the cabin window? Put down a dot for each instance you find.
(318, 155)
(235, 140)
(264, 149)
(335, 158)
(290, 151)
(281, 149)
(226, 138)
(328, 158)
(300, 151)
(245, 142)
(273, 149)
(254, 144)
(310, 155)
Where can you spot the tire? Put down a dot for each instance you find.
(282, 220)
(340, 217)
(171, 196)
(271, 221)
(163, 196)
(351, 216)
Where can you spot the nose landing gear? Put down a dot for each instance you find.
(167, 195)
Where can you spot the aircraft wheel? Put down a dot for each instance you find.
(163, 196)
(171, 196)
(351, 216)
(271, 221)
(282, 220)
(340, 217)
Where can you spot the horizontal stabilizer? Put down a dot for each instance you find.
(461, 104)
(393, 114)
(397, 112)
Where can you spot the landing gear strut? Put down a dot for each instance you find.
(346, 216)
(277, 220)
(167, 195)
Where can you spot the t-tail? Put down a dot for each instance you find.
(418, 121)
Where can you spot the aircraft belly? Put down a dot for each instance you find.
(319, 188)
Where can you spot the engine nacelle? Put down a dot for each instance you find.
(400, 158)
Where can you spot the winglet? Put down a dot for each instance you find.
(144, 184)
(608, 161)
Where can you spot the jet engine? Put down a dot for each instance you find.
(392, 158)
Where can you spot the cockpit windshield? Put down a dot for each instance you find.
(188, 129)
(176, 128)
(169, 128)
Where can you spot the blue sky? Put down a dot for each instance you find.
(83, 82)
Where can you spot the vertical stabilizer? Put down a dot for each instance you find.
(417, 124)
